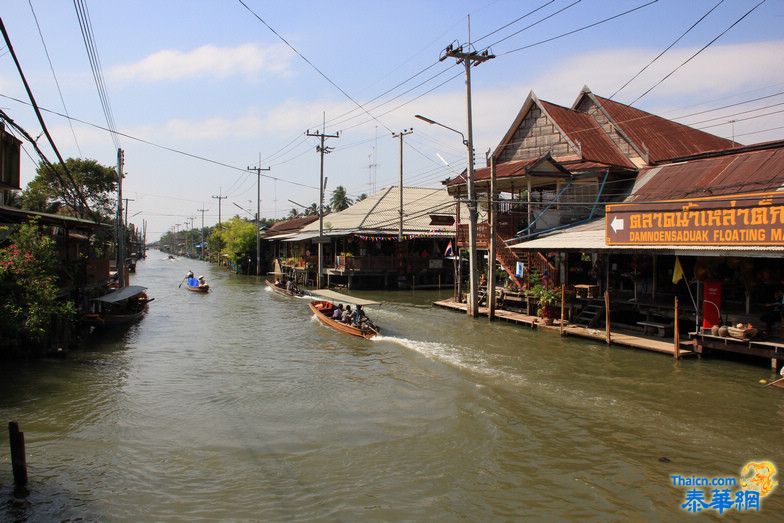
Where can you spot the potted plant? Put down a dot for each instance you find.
(545, 298)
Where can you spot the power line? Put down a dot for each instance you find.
(54, 75)
(533, 24)
(327, 78)
(736, 22)
(85, 25)
(529, 13)
(666, 49)
(159, 146)
(579, 28)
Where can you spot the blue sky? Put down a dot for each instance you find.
(208, 78)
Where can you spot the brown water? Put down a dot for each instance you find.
(239, 405)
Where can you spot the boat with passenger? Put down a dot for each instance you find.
(355, 323)
(197, 284)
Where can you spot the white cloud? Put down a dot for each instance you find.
(206, 61)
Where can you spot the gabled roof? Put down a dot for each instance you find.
(586, 132)
(655, 138)
(288, 226)
(380, 213)
(544, 165)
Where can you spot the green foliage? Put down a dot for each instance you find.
(28, 290)
(45, 192)
(545, 296)
(340, 200)
(238, 237)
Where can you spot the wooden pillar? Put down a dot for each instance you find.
(607, 317)
(563, 292)
(653, 283)
(677, 334)
(491, 254)
(18, 459)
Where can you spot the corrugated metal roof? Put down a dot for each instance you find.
(585, 131)
(663, 139)
(590, 237)
(753, 171)
(294, 224)
(379, 213)
(543, 165)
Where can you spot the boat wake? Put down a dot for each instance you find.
(459, 357)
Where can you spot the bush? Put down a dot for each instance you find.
(28, 290)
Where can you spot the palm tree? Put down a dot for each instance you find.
(312, 210)
(293, 213)
(361, 197)
(340, 200)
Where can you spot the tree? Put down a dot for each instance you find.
(293, 213)
(28, 290)
(312, 210)
(239, 239)
(361, 197)
(96, 182)
(340, 200)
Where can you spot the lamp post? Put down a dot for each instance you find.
(473, 302)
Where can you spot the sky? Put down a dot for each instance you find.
(201, 90)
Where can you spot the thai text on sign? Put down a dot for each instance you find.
(748, 219)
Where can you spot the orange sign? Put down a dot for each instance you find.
(735, 220)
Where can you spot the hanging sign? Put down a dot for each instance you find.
(753, 219)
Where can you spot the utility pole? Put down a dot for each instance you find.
(258, 170)
(120, 226)
(322, 150)
(201, 251)
(190, 236)
(219, 198)
(126, 200)
(400, 135)
(469, 57)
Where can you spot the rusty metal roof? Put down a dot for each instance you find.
(662, 139)
(585, 131)
(752, 171)
(294, 224)
(514, 168)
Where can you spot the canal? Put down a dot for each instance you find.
(238, 404)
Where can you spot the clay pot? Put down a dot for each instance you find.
(714, 330)
(724, 331)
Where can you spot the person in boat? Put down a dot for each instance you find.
(289, 285)
(346, 316)
(359, 315)
(189, 275)
(202, 281)
(338, 312)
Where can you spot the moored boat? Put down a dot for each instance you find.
(323, 309)
(119, 307)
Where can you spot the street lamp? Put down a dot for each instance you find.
(473, 302)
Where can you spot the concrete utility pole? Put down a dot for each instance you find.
(126, 200)
(322, 150)
(258, 170)
(469, 57)
(201, 251)
(219, 198)
(400, 135)
(120, 226)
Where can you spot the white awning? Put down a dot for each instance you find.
(344, 298)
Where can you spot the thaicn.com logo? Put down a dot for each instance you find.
(722, 494)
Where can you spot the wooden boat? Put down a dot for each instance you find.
(323, 310)
(282, 290)
(193, 285)
(119, 307)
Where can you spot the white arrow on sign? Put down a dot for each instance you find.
(617, 224)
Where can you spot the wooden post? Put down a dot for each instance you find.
(563, 292)
(677, 335)
(607, 316)
(18, 460)
(491, 253)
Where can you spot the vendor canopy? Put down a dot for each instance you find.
(344, 298)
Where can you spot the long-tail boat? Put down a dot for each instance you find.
(119, 307)
(323, 310)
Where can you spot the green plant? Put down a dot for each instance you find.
(544, 296)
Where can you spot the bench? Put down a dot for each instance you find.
(661, 328)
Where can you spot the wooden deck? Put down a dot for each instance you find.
(623, 338)
(774, 350)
